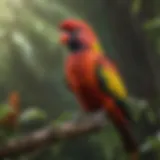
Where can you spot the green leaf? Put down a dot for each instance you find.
(152, 117)
(5, 110)
(152, 142)
(109, 139)
(136, 6)
(65, 116)
(33, 114)
(152, 24)
(137, 107)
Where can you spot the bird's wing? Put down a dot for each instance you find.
(112, 85)
(110, 80)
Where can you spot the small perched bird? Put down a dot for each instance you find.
(94, 78)
(10, 121)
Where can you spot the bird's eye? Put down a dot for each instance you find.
(74, 43)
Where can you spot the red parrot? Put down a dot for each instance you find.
(10, 121)
(94, 78)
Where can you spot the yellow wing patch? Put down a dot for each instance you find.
(114, 83)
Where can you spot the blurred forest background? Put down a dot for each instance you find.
(31, 62)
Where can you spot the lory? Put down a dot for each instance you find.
(94, 78)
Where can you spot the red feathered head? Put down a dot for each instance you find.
(77, 34)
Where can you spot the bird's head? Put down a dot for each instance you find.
(78, 35)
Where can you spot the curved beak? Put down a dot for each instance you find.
(64, 38)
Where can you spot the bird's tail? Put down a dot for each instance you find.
(121, 123)
(123, 106)
(128, 139)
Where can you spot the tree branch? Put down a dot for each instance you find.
(48, 135)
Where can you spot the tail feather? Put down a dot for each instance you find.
(121, 124)
(128, 139)
(129, 142)
(123, 106)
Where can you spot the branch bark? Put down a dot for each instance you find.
(50, 134)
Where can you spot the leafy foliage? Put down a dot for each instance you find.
(4, 111)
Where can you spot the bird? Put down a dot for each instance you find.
(95, 80)
(10, 121)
